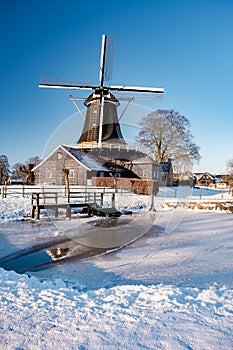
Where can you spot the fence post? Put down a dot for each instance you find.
(200, 193)
(153, 191)
(113, 200)
(5, 191)
(37, 206)
(152, 204)
(32, 207)
(23, 191)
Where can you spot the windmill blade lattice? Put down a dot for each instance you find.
(109, 58)
(139, 96)
(57, 83)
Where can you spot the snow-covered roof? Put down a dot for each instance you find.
(85, 159)
(81, 157)
(200, 175)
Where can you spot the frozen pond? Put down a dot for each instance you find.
(77, 241)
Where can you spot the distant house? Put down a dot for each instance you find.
(205, 179)
(166, 173)
(224, 178)
(221, 178)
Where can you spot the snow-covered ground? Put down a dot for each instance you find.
(172, 289)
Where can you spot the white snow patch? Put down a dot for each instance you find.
(169, 290)
(46, 315)
(14, 209)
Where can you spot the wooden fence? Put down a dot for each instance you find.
(26, 191)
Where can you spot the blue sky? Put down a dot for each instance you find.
(184, 46)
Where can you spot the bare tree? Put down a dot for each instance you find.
(4, 169)
(34, 160)
(167, 135)
(24, 170)
(230, 166)
(65, 173)
(15, 170)
(27, 174)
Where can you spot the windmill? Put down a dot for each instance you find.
(101, 124)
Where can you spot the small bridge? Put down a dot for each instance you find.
(90, 202)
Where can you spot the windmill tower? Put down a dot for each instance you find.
(104, 114)
(101, 127)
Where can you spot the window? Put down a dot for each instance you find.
(49, 174)
(59, 155)
(71, 173)
(145, 174)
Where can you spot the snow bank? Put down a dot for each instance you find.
(14, 209)
(60, 313)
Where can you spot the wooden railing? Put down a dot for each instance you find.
(26, 191)
(91, 201)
